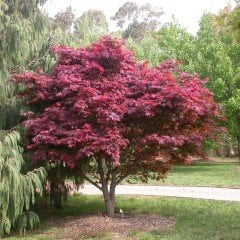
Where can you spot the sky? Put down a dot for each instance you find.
(187, 12)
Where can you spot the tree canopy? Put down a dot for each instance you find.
(112, 117)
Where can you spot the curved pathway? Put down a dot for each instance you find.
(225, 194)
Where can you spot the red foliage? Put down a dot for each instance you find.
(100, 102)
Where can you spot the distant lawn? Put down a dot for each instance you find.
(201, 174)
(195, 219)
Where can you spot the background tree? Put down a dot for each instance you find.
(64, 20)
(232, 109)
(169, 42)
(109, 117)
(147, 49)
(90, 26)
(228, 18)
(216, 58)
(137, 20)
(61, 26)
(228, 21)
(176, 43)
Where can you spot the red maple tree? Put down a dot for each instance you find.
(102, 111)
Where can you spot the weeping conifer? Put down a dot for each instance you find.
(25, 43)
(17, 190)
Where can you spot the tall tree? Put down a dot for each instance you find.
(109, 116)
(64, 20)
(137, 20)
(228, 21)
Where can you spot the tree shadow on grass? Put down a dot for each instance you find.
(77, 205)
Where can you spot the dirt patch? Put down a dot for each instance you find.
(73, 228)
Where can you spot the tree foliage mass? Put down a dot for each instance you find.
(113, 117)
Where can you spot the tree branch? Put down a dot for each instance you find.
(121, 177)
(92, 182)
(103, 178)
(108, 175)
(113, 180)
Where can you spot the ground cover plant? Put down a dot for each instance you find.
(193, 219)
(103, 114)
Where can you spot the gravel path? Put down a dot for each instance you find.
(225, 194)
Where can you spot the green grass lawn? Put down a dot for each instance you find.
(214, 174)
(195, 219)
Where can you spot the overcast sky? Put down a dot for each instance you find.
(187, 12)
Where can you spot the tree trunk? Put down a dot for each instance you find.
(109, 195)
(109, 204)
(238, 143)
(109, 199)
(112, 193)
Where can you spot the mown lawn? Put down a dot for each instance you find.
(214, 174)
(195, 219)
